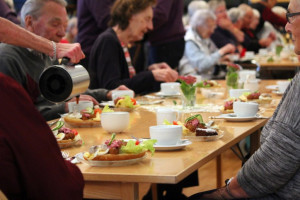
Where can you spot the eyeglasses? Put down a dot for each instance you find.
(290, 15)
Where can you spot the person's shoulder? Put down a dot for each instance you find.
(7, 49)
(107, 37)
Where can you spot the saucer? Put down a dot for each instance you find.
(168, 95)
(272, 87)
(234, 118)
(277, 92)
(183, 143)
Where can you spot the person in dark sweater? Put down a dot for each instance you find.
(110, 64)
(31, 163)
(167, 37)
(93, 17)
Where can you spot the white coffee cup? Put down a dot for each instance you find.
(114, 121)
(247, 75)
(168, 114)
(252, 85)
(80, 106)
(172, 88)
(282, 85)
(263, 52)
(236, 93)
(120, 93)
(166, 134)
(249, 55)
(245, 109)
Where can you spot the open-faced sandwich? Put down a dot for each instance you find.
(65, 137)
(115, 150)
(194, 126)
(228, 105)
(89, 117)
(258, 97)
(207, 84)
(125, 103)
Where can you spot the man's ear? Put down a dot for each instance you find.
(29, 23)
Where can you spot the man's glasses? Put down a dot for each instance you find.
(290, 15)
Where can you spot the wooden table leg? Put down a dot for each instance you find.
(219, 171)
(154, 191)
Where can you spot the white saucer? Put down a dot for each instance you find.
(168, 95)
(183, 143)
(277, 92)
(233, 118)
(272, 87)
(108, 103)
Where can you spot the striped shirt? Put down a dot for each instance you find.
(273, 171)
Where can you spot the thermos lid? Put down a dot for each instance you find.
(56, 84)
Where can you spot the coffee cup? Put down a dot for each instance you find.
(168, 114)
(115, 121)
(170, 88)
(166, 134)
(245, 109)
(249, 55)
(282, 85)
(120, 93)
(247, 75)
(73, 106)
(251, 85)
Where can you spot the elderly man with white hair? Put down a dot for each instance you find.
(201, 54)
(273, 171)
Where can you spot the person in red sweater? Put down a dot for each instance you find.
(31, 163)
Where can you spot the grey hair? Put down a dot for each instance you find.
(279, 10)
(196, 5)
(200, 18)
(244, 7)
(214, 4)
(256, 13)
(235, 14)
(34, 8)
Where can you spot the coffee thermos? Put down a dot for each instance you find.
(59, 82)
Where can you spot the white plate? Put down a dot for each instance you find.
(233, 118)
(206, 138)
(167, 95)
(80, 158)
(272, 87)
(277, 92)
(108, 103)
(183, 143)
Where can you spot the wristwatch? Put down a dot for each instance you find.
(227, 181)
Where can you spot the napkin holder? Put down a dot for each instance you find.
(58, 83)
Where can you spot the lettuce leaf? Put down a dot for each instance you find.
(131, 147)
(125, 103)
(107, 109)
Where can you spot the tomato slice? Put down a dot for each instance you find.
(97, 110)
(137, 142)
(75, 131)
(133, 101)
(175, 123)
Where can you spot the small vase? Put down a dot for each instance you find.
(232, 80)
(189, 100)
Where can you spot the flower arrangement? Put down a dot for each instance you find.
(188, 90)
(232, 75)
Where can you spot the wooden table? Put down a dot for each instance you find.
(164, 166)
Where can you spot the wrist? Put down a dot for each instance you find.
(228, 189)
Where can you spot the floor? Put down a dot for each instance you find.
(207, 174)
